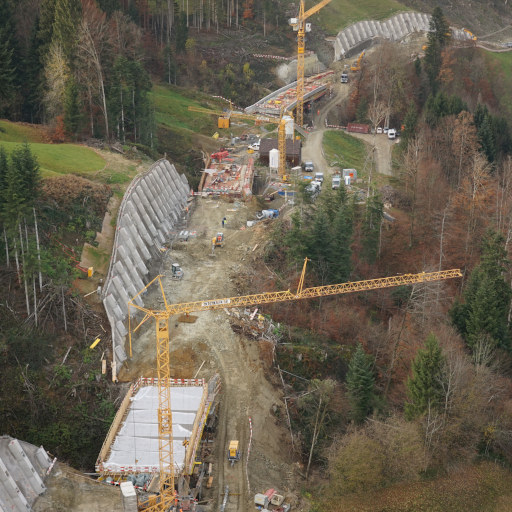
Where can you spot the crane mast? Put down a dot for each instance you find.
(299, 25)
(163, 358)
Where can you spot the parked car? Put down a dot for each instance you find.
(379, 129)
(309, 167)
(391, 133)
(255, 146)
(386, 129)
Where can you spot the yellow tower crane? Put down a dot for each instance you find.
(226, 115)
(301, 27)
(164, 501)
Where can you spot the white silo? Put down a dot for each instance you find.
(273, 158)
(289, 127)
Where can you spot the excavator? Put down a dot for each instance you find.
(165, 499)
(356, 66)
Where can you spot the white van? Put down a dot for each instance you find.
(391, 133)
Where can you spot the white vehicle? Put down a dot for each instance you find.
(336, 182)
(314, 189)
(344, 77)
(386, 129)
(391, 133)
(309, 167)
(319, 176)
(379, 129)
(255, 146)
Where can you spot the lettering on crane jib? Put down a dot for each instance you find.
(215, 303)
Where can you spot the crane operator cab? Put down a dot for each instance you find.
(176, 272)
(218, 239)
(233, 452)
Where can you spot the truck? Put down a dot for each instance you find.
(267, 214)
(309, 167)
(336, 182)
(313, 189)
(344, 77)
(319, 176)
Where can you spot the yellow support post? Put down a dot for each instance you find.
(301, 36)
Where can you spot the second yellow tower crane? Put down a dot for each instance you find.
(301, 27)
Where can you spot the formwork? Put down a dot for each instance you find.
(131, 445)
(230, 180)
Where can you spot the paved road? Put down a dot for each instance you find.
(312, 149)
(383, 149)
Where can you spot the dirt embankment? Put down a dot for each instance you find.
(246, 390)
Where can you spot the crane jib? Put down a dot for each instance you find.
(309, 293)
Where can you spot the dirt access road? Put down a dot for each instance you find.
(312, 149)
(245, 388)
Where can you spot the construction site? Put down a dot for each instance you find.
(202, 425)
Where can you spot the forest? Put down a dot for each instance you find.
(412, 382)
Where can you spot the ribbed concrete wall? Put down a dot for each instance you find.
(153, 206)
(393, 29)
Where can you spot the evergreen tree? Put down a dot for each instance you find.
(437, 40)
(72, 112)
(417, 66)
(320, 243)
(67, 16)
(7, 74)
(170, 65)
(109, 6)
(371, 228)
(343, 229)
(481, 112)
(487, 139)
(360, 385)
(45, 34)
(295, 238)
(487, 297)
(4, 165)
(24, 165)
(32, 88)
(423, 388)
(181, 33)
(362, 110)
(456, 105)
(410, 124)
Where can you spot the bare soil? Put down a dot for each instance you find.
(249, 389)
(71, 491)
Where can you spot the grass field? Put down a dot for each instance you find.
(341, 13)
(504, 62)
(172, 109)
(348, 151)
(56, 159)
(11, 132)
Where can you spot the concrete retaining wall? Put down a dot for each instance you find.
(153, 207)
(393, 29)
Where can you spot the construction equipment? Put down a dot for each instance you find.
(218, 240)
(176, 272)
(473, 38)
(233, 452)
(256, 117)
(301, 27)
(163, 354)
(356, 66)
